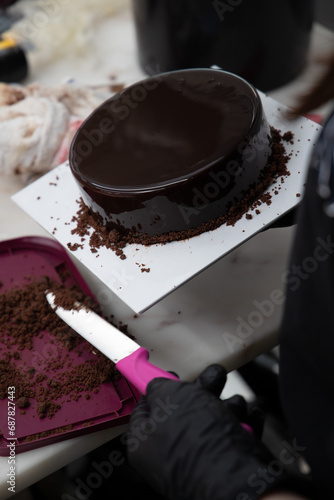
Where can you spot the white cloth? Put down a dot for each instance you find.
(31, 132)
(36, 122)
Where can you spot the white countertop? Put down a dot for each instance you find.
(219, 316)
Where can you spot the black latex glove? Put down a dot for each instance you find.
(190, 445)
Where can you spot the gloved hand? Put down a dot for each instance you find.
(190, 445)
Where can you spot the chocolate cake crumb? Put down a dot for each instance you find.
(87, 424)
(41, 409)
(58, 430)
(74, 246)
(117, 87)
(288, 136)
(23, 402)
(25, 317)
(89, 223)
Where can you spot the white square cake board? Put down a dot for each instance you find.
(52, 201)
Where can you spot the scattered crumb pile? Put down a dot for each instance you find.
(90, 224)
(51, 378)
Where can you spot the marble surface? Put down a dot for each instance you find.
(229, 313)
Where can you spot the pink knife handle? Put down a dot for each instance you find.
(139, 371)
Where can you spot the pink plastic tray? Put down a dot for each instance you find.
(114, 402)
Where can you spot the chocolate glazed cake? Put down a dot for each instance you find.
(171, 152)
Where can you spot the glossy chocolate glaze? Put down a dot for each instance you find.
(171, 152)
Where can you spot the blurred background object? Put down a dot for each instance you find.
(324, 13)
(6, 3)
(264, 42)
(13, 61)
(49, 29)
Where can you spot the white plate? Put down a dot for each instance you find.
(52, 201)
